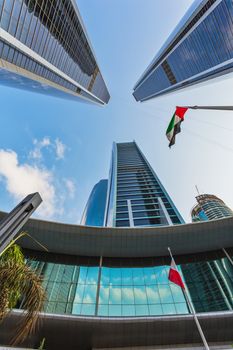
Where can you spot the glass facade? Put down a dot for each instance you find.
(134, 287)
(93, 214)
(135, 291)
(136, 196)
(55, 46)
(202, 49)
(210, 207)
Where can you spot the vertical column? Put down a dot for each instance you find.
(164, 212)
(98, 287)
(131, 222)
(228, 256)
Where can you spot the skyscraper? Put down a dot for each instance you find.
(136, 197)
(93, 214)
(199, 48)
(217, 296)
(209, 207)
(44, 47)
(114, 280)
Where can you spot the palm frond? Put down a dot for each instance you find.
(19, 278)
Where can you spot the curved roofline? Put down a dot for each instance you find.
(129, 242)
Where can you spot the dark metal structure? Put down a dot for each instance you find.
(16, 219)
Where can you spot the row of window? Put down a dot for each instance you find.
(16, 57)
(51, 33)
(137, 184)
(135, 208)
(117, 310)
(144, 214)
(144, 202)
(208, 45)
(132, 170)
(135, 291)
(123, 189)
(128, 159)
(147, 195)
(147, 222)
(18, 19)
(139, 214)
(190, 25)
(140, 191)
(131, 177)
(144, 208)
(140, 222)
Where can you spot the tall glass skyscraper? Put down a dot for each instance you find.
(210, 207)
(200, 48)
(136, 197)
(93, 214)
(44, 47)
(114, 280)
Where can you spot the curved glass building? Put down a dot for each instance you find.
(44, 47)
(209, 207)
(93, 214)
(200, 48)
(109, 288)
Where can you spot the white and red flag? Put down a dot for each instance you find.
(174, 275)
(174, 125)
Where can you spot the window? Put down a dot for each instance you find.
(146, 222)
(122, 223)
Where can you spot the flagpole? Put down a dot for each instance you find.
(193, 312)
(217, 108)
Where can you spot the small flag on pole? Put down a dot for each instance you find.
(174, 275)
(174, 125)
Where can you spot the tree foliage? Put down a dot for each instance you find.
(19, 281)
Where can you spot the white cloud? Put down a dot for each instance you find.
(60, 149)
(22, 179)
(70, 187)
(36, 152)
(58, 146)
(45, 141)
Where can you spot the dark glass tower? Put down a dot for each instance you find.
(93, 214)
(44, 47)
(136, 196)
(200, 48)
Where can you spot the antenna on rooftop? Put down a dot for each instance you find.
(197, 190)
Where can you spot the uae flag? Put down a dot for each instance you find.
(174, 125)
(174, 275)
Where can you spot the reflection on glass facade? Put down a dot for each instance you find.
(93, 214)
(139, 292)
(135, 287)
(210, 207)
(136, 197)
(47, 41)
(136, 291)
(210, 284)
(200, 48)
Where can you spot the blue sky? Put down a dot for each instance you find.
(63, 148)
